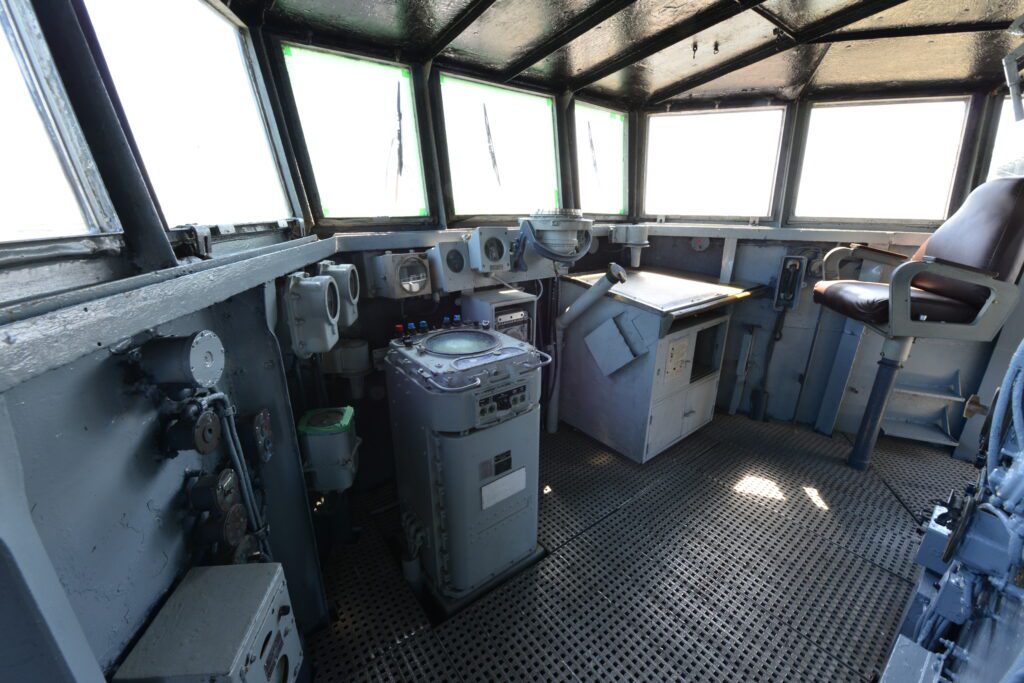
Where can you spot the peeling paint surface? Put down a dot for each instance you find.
(733, 37)
(402, 23)
(783, 76)
(904, 62)
(510, 28)
(940, 12)
(637, 22)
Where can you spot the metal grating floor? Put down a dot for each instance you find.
(747, 552)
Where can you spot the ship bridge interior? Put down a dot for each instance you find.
(466, 340)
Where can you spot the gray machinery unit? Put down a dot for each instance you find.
(965, 622)
(511, 311)
(224, 624)
(466, 426)
(642, 364)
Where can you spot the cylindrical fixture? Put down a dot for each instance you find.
(193, 361)
(227, 528)
(894, 353)
(616, 274)
(256, 436)
(192, 430)
(215, 492)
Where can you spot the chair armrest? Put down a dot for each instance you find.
(997, 308)
(944, 262)
(857, 252)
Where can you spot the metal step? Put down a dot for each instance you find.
(929, 433)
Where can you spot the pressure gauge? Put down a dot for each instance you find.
(413, 277)
(494, 249)
(455, 261)
(700, 244)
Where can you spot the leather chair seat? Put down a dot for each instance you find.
(868, 302)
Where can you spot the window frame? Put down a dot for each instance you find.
(20, 29)
(802, 126)
(782, 156)
(263, 97)
(441, 141)
(991, 135)
(293, 130)
(627, 138)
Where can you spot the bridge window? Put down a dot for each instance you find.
(501, 148)
(37, 198)
(184, 80)
(601, 159)
(719, 164)
(890, 161)
(1008, 152)
(359, 124)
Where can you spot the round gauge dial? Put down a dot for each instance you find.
(455, 261)
(412, 276)
(494, 249)
(700, 243)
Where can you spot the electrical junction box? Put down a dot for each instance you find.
(223, 624)
(509, 310)
(397, 275)
(490, 250)
(331, 446)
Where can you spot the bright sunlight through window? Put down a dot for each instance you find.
(759, 486)
(601, 159)
(192, 109)
(882, 161)
(712, 163)
(38, 200)
(1008, 152)
(359, 123)
(501, 148)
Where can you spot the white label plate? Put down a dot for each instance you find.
(500, 489)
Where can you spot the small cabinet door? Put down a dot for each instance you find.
(700, 404)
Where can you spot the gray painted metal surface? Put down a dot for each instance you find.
(40, 636)
(842, 365)
(38, 344)
(107, 508)
(1003, 348)
(222, 624)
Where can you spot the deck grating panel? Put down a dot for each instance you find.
(748, 552)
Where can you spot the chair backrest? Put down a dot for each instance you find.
(986, 232)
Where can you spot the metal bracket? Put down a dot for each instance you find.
(198, 241)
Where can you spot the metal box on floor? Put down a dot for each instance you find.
(640, 368)
(224, 624)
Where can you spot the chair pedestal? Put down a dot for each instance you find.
(894, 354)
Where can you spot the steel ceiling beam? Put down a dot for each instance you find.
(716, 14)
(912, 31)
(781, 27)
(812, 34)
(593, 16)
(452, 31)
